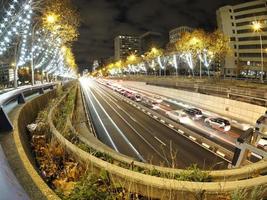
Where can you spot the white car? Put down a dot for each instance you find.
(155, 105)
(137, 98)
(263, 143)
(177, 115)
(157, 99)
(218, 123)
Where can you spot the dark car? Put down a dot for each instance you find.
(193, 113)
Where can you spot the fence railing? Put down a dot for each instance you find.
(19, 96)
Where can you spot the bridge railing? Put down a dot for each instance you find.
(19, 96)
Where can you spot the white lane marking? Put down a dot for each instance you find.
(180, 131)
(220, 153)
(160, 141)
(132, 117)
(111, 97)
(101, 122)
(171, 126)
(118, 129)
(192, 138)
(155, 117)
(162, 121)
(205, 145)
(135, 129)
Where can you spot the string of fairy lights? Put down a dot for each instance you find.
(41, 47)
(161, 62)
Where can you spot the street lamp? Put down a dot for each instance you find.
(257, 27)
(49, 19)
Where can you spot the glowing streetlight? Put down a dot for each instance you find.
(257, 27)
(64, 49)
(194, 41)
(132, 58)
(154, 50)
(51, 18)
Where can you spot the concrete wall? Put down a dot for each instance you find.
(26, 170)
(231, 108)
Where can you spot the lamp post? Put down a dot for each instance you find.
(257, 26)
(32, 53)
(50, 19)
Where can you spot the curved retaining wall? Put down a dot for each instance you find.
(151, 186)
(216, 176)
(30, 179)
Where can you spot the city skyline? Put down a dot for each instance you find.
(102, 21)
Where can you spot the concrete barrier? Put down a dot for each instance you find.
(150, 186)
(27, 170)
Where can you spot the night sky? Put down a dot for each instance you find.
(102, 20)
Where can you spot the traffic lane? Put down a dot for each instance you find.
(188, 152)
(157, 143)
(225, 139)
(201, 129)
(230, 136)
(130, 132)
(106, 129)
(97, 121)
(171, 104)
(234, 132)
(139, 130)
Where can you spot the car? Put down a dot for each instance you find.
(194, 113)
(218, 123)
(137, 98)
(177, 115)
(155, 105)
(263, 143)
(128, 94)
(122, 91)
(158, 99)
(118, 89)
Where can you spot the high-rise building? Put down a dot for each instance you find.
(238, 23)
(151, 39)
(176, 33)
(125, 45)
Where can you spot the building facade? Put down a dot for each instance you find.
(6, 75)
(125, 45)
(176, 33)
(248, 44)
(151, 39)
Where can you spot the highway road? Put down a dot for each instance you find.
(133, 133)
(225, 139)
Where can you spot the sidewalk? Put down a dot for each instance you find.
(9, 186)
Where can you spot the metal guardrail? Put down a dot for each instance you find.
(18, 95)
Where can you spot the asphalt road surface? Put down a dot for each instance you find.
(133, 133)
